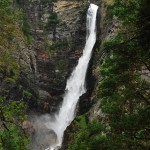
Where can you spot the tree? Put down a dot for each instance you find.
(11, 117)
(52, 23)
(123, 93)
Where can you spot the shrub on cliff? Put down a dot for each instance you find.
(12, 111)
(11, 117)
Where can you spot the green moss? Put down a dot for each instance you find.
(26, 28)
(52, 21)
(81, 121)
(10, 80)
(27, 94)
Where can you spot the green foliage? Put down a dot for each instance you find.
(127, 11)
(58, 45)
(81, 121)
(26, 28)
(11, 116)
(27, 94)
(8, 65)
(8, 25)
(12, 140)
(52, 21)
(9, 35)
(12, 110)
(123, 93)
(9, 110)
(89, 136)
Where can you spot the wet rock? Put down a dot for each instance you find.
(43, 137)
(27, 126)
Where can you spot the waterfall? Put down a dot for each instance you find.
(76, 83)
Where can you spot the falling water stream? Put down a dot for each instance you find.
(76, 83)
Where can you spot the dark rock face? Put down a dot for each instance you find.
(55, 49)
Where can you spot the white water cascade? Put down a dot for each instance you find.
(76, 83)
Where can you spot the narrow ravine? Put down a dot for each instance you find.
(75, 86)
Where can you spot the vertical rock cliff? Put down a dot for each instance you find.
(57, 33)
(50, 37)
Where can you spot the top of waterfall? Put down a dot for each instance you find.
(91, 8)
(93, 5)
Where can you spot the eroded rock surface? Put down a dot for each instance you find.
(54, 50)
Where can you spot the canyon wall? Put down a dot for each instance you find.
(57, 32)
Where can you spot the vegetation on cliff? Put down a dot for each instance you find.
(12, 92)
(123, 93)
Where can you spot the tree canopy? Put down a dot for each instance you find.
(124, 94)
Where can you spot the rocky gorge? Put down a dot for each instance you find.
(49, 45)
(53, 55)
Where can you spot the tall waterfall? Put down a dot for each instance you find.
(76, 83)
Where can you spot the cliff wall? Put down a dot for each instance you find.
(57, 32)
